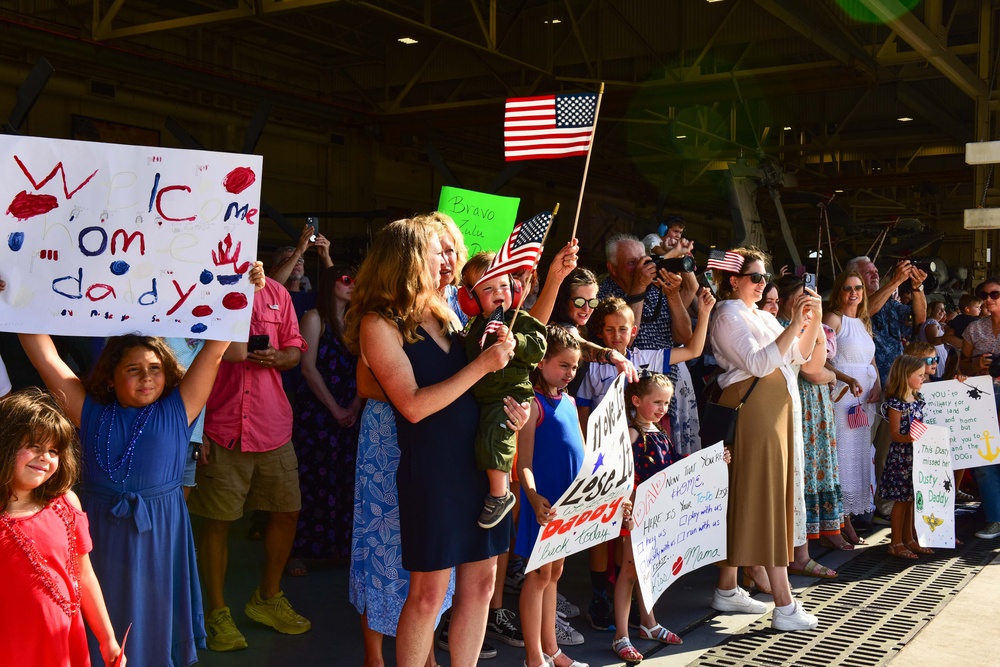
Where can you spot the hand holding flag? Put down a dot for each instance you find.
(492, 325)
(522, 248)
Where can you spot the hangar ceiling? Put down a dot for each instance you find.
(819, 86)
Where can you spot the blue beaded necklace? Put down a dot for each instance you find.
(125, 460)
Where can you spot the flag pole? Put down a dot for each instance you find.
(586, 166)
(527, 283)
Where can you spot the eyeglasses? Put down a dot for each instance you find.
(580, 302)
(931, 360)
(852, 288)
(300, 261)
(757, 278)
(346, 281)
(995, 295)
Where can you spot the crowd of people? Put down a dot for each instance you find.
(386, 422)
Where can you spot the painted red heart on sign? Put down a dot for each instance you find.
(678, 565)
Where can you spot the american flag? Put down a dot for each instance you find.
(492, 325)
(917, 429)
(522, 249)
(550, 126)
(856, 416)
(725, 260)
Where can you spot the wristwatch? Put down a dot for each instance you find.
(635, 298)
(918, 288)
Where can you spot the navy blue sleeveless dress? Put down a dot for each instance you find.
(440, 490)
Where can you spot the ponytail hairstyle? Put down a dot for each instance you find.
(557, 339)
(647, 381)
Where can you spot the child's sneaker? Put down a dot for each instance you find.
(565, 607)
(495, 509)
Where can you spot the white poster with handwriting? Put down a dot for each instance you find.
(934, 489)
(967, 410)
(680, 520)
(590, 512)
(105, 239)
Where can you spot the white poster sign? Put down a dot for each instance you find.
(105, 239)
(934, 489)
(590, 512)
(680, 520)
(968, 411)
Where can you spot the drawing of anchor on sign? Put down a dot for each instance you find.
(990, 454)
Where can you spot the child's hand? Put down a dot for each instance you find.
(109, 652)
(502, 333)
(727, 455)
(629, 524)
(958, 376)
(705, 301)
(543, 510)
(256, 276)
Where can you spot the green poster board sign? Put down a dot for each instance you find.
(485, 220)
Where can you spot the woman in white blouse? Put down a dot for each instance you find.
(751, 345)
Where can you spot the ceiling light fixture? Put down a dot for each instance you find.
(787, 127)
(553, 21)
(904, 119)
(682, 136)
(407, 40)
(838, 191)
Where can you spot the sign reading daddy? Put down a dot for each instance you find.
(105, 239)
(680, 520)
(590, 512)
(934, 489)
(485, 220)
(967, 410)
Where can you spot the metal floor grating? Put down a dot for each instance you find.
(866, 615)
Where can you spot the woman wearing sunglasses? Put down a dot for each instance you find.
(981, 344)
(754, 350)
(325, 429)
(857, 388)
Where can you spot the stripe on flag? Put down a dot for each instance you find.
(492, 325)
(857, 417)
(725, 260)
(917, 429)
(521, 249)
(549, 126)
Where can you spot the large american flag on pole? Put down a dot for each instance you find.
(521, 249)
(549, 126)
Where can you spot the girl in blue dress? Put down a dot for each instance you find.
(135, 413)
(549, 456)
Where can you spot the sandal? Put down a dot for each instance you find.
(900, 551)
(575, 663)
(658, 633)
(915, 547)
(296, 568)
(830, 544)
(856, 541)
(623, 649)
(749, 582)
(814, 569)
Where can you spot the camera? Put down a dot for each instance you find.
(928, 266)
(994, 370)
(684, 264)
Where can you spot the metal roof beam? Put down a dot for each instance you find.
(102, 26)
(932, 112)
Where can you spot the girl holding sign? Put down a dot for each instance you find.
(549, 456)
(903, 406)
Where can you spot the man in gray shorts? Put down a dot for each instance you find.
(250, 462)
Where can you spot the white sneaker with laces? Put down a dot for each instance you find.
(797, 620)
(740, 601)
(566, 635)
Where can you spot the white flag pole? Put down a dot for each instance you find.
(586, 166)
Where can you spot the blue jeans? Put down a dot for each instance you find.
(988, 479)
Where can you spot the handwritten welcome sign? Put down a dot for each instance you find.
(967, 410)
(590, 512)
(485, 220)
(680, 520)
(933, 489)
(105, 239)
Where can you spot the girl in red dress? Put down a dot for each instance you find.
(45, 541)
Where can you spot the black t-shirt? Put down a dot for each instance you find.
(960, 322)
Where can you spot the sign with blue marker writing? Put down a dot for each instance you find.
(590, 512)
(485, 220)
(967, 410)
(934, 489)
(105, 239)
(680, 520)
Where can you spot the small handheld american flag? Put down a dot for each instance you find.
(856, 416)
(725, 260)
(917, 429)
(521, 249)
(492, 325)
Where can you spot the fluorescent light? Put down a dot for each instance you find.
(787, 127)
(682, 136)
(407, 40)
(714, 0)
(838, 191)
(904, 119)
(553, 21)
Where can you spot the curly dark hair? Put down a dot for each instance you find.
(99, 383)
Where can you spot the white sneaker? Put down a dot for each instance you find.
(740, 601)
(990, 531)
(797, 620)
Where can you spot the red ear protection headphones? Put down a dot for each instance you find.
(468, 300)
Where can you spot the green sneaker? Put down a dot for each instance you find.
(222, 632)
(276, 612)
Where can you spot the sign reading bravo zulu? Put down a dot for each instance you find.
(590, 512)
(104, 239)
(485, 219)
(934, 489)
(680, 520)
(967, 410)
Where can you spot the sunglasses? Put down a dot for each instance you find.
(580, 302)
(995, 295)
(346, 281)
(931, 360)
(852, 288)
(757, 278)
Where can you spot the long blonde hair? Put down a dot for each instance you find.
(445, 225)
(836, 298)
(394, 282)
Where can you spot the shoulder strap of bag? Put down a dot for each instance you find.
(747, 395)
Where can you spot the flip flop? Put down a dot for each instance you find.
(814, 569)
(296, 568)
(658, 633)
